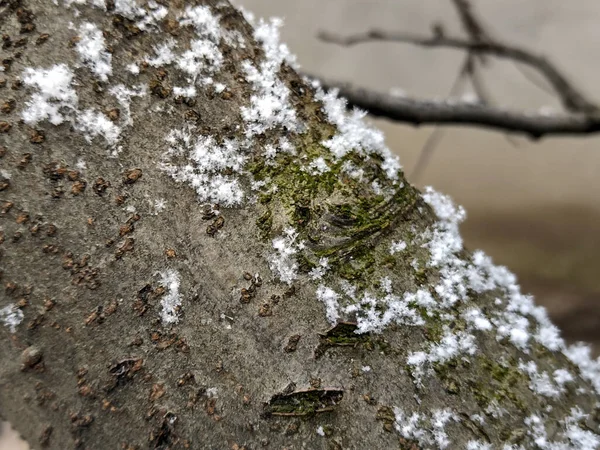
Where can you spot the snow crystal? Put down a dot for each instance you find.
(374, 313)
(159, 205)
(572, 438)
(269, 105)
(562, 376)
(92, 51)
(446, 240)
(581, 355)
(54, 94)
(151, 18)
(145, 19)
(203, 21)
(171, 300)
(207, 162)
(56, 102)
(187, 92)
(283, 262)
(212, 392)
(96, 3)
(318, 272)
(164, 54)
(397, 247)
(133, 68)
(318, 166)
(354, 134)
(330, 298)
(475, 317)
(93, 123)
(81, 164)
(540, 383)
(426, 430)
(451, 345)
(123, 95)
(353, 170)
(203, 56)
(129, 9)
(11, 317)
(478, 445)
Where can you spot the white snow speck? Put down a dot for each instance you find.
(171, 300)
(11, 317)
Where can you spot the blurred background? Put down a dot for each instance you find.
(533, 206)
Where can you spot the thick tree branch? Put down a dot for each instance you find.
(420, 112)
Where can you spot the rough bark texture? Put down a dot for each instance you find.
(249, 363)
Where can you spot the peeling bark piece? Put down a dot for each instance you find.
(341, 335)
(304, 403)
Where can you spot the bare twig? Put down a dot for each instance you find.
(470, 23)
(422, 112)
(436, 135)
(571, 98)
(534, 78)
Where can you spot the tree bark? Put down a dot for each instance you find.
(139, 313)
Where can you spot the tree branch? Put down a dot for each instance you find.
(571, 98)
(420, 112)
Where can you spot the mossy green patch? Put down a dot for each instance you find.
(498, 382)
(338, 215)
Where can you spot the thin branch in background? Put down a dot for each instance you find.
(483, 94)
(569, 95)
(470, 71)
(470, 23)
(583, 116)
(426, 153)
(534, 78)
(421, 112)
(436, 135)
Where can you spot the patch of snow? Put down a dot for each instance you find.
(206, 163)
(54, 96)
(171, 300)
(92, 51)
(283, 262)
(11, 317)
(330, 298)
(269, 105)
(354, 134)
(397, 247)
(56, 101)
(427, 430)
